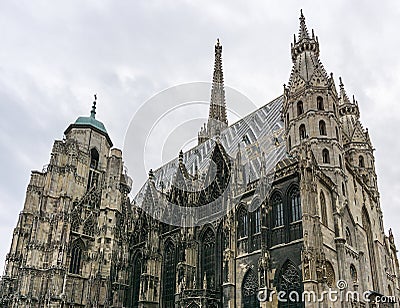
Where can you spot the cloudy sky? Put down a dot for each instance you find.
(54, 55)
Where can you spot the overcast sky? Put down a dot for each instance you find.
(54, 55)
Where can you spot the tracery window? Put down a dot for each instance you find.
(93, 173)
(242, 223)
(75, 220)
(330, 274)
(135, 281)
(324, 216)
(277, 210)
(76, 258)
(295, 205)
(290, 281)
(250, 288)
(169, 276)
(257, 221)
(208, 259)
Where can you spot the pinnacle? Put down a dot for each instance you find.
(303, 32)
(343, 95)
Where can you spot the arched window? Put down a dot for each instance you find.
(208, 259)
(320, 103)
(290, 282)
(322, 128)
(300, 109)
(325, 156)
(330, 274)
(324, 216)
(169, 275)
(135, 281)
(277, 210)
(94, 158)
(257, 221)
(302, 132)
(76, 258)
(250, 288)
(361, 163)
(75, 220)
(348, 237)
(243, 227)
(295, 205)
(353, 273)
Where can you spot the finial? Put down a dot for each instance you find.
(181, 157)
(218, 44)
(151, 175)
(340, 82)
(93, 111)
(303, 32)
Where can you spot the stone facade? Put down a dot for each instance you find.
(286, 199)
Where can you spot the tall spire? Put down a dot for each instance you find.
(344, 99)
(217, 119)
(303, 32)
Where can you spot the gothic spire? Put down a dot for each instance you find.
(217, 119)
(303, 32)
(344, 99)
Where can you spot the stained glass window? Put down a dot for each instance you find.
(295, 205)
(290, 281)
(76, 258)
(242, 223)
(277, 206)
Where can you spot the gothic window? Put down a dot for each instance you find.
(322, 128)
(135, 280)
(289, 142)
(325, 156)
(320, 103)
(169, 275)
(300, 109)
(353, 273)
(94, 158)
(250, 288)
(242, 223)
(295, 205)
(302, 132)
(277, 210)
(89, 226)
(361, 163)
(208, 259)
(324, 216)
(330, 274)
(371, 252)
(76, 258)
(257, 221)
(290, 282)
(348, 237)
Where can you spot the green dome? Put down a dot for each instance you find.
(91, 121)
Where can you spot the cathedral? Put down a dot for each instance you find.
(283, 202)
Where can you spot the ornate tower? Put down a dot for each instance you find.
(356, 142)
(217, 119)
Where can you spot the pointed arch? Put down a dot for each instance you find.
(320, 103)
(330, 274)
(250, 288)
(277, 210)
(290, 281)
(322, 128)
(353, 273)
(325, 156)
(94, 158)
(89, 226)
(243, 226)
(361, 162)
(300, 108)
(302, 132)
(295, 204)
(75, 263)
